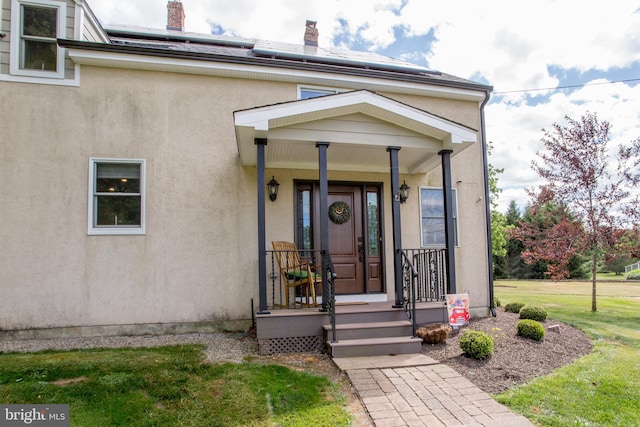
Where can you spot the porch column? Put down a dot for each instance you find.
(448, 220)
(397, 226)
(262, 248)
(324, 216)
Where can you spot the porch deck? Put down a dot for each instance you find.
(301, 329)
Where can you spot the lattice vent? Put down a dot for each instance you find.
(291, 345)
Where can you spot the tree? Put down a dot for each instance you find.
(551, 238)
(580, 177)
(498, 221)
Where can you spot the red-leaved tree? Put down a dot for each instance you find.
(599, 193)
(550, 234)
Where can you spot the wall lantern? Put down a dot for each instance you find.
(403, 194)
(273, 189)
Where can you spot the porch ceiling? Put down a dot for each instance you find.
(358, 125)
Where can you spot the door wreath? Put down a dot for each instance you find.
(339, 212)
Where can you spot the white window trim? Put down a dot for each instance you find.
(92, 229)
(326, 89)
(16, 23)
(456, 217)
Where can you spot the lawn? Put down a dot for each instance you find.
(600, 389)
(169, 386)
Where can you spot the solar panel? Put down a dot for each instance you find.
(336, 56)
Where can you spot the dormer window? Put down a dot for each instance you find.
(36, 26)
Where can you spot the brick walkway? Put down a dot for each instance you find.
(415, 390)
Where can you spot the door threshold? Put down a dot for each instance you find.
(360, 298)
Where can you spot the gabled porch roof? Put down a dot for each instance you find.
(359, 125)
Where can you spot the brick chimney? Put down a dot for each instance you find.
(175, 16)
(311, 34)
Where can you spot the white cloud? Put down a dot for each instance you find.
(510, 44)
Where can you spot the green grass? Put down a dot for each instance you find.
(169, 386)
(610, 276)
(600, 389)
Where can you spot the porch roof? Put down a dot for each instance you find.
(359, 125)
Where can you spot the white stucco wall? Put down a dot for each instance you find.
(198, 258)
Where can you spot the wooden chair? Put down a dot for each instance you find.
(294, 272)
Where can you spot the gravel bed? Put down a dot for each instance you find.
(220, 347)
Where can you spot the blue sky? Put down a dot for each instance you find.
(513, 46)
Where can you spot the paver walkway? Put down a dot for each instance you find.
(416, 390)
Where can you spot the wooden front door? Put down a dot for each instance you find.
(355, 236)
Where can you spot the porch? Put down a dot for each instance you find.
(346, 133)
(349, 325)
(379, 327)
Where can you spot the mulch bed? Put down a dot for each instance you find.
(515, 360)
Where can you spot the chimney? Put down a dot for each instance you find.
(175, 16)
(311, 34)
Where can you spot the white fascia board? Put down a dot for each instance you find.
(334, 105)
(191, 66)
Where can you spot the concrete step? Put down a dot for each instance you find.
(375, 346)
(354, 331)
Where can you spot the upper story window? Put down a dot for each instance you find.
(116, 196)
(306, 92)
(433, 217)
(35, 27)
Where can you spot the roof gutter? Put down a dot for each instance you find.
(487, 194)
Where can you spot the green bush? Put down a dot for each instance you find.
(514, 307)
(633, 275)
(530, 329)
(496, 302)
(476, 344)
(533, 313)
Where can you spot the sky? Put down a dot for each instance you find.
(546, 59)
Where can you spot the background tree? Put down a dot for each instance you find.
(580, 177)
(515, 265)
(499, 226)
(550, 238)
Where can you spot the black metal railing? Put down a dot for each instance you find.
(431, 282)
(409, 276)
(287, 268)
(329, 292)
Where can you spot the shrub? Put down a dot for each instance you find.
(530, 329)
(476, 344)
(633, 275)
(514, 307)
(496, 302)
(533, 313)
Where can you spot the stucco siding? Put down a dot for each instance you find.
(197, 260)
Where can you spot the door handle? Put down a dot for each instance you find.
(361, 252)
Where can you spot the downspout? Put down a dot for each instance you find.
(487, 204)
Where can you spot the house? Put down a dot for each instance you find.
(135, 163)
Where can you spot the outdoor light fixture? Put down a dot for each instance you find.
(273, 189)
(403, 194)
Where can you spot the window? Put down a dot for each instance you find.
(432, 216)
(116, 196)
(314, 92)
(36, 26)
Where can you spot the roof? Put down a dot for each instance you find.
(211, 47)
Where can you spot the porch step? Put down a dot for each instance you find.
(375, 346)
(354, 331)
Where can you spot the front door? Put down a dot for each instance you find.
(355, 236)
